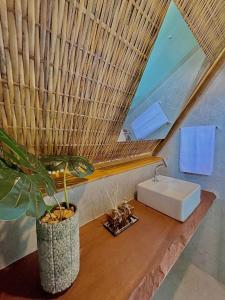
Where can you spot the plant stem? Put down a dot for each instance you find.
(56, 200)
(65, 187)
(60, 208)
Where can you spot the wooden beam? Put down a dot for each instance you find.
(103, 170)
(192, 100)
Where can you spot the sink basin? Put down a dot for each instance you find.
(171, 196)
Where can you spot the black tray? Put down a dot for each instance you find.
(133, 220)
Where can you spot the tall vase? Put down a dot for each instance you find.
(59, 253)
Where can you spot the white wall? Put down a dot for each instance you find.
(210, 109)
(18, 238)
(207, 249)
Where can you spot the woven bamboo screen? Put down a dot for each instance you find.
(206, 19)
(69, 70)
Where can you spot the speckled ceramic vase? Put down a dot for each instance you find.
(59, 254)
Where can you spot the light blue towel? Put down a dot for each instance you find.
(197, 147)
(149, 121)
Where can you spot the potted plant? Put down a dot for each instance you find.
(58, 230)
(24, 181)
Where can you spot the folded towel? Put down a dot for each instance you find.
(197, 146)
(148, 122)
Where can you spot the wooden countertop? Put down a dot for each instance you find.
(129, 266)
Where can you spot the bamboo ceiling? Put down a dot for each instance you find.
(206, 19)
(69, 69)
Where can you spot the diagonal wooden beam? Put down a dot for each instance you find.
(192, 100)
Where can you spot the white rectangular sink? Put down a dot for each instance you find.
(171, 196)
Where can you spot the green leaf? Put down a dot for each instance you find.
(3, 163)
(19, 195)
(20, 154)
(7, 180)
(22, 178)
(11, 161)
(18, 158)
(5, 186)
(80, 167)
(10, 143)
(10, 214)
(49, 207)
(55, 163)
(77, 165)
(13, 205)
(44, 179)
(36, 207)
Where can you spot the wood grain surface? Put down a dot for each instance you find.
(129, 266)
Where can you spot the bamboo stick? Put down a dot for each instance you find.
(69, 69)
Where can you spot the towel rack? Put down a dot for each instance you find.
(217, 127)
